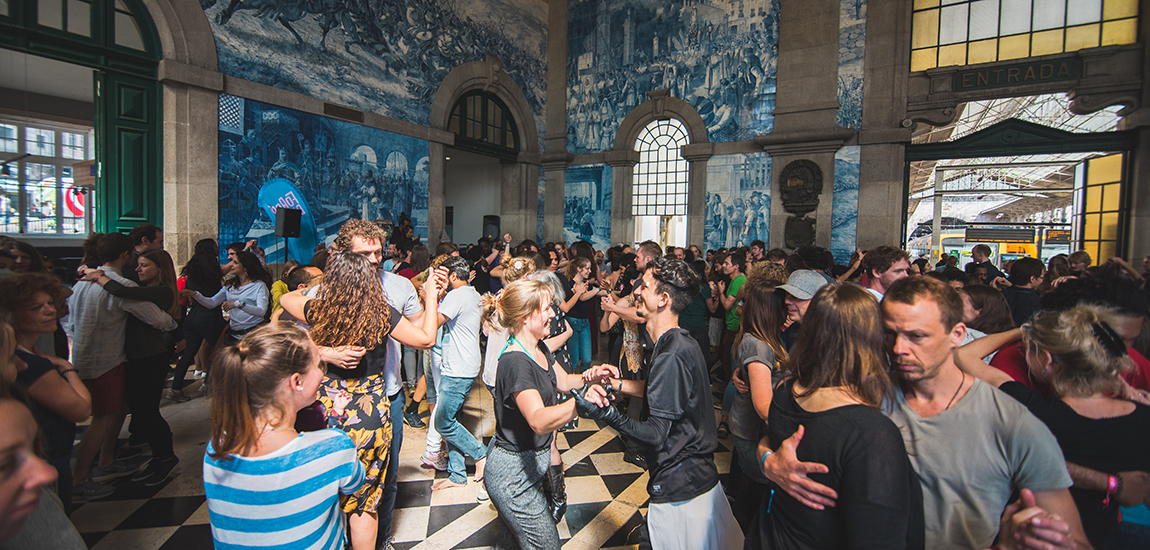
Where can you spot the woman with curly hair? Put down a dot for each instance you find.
(350, 309)
(202, 325)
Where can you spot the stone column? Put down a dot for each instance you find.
(697, 155)
(555, 155)
(884, 136)
(191, 98)
(519, 200)
(436, 192)
(622, 165)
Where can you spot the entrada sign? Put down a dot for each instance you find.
(1035, 72)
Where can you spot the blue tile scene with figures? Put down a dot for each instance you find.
(852, 31)
(844, 218)
(718, 56)
(333, 170)
(738, 200)
(587, 205)
(388, 57)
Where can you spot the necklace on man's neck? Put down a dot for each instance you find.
(961, 383)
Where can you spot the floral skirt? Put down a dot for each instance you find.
(368, 422)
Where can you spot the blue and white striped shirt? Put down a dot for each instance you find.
(288, 499)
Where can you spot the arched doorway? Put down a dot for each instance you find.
(659, 192)
(492, 129)
(117, 40)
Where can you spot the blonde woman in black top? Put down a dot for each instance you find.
(526, 413)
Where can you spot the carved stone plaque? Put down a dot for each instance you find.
(801, 183)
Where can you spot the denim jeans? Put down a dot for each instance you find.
(391, 478)
(452, 393)
(579, 345)
(752, 465)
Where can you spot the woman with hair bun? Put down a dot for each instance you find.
(1101, 424)
(265, 482)
(527, 412)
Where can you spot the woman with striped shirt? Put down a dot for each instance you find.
(266, 484)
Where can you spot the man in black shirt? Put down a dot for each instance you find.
(1025, 276)
(981, 256)
(688, 509)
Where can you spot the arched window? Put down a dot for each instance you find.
(482, 124)
(660, 185)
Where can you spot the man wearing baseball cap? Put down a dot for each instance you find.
(800, 288)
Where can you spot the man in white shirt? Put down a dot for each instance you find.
(459, 315)
(96, 322)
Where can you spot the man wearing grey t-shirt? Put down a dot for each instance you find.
(460, 317)
(970, 444)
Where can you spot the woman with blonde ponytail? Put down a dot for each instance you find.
(263, 480)
(1100, 422)
(527, 412)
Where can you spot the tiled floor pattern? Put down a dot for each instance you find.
(607, 496)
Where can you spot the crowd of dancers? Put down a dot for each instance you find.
(887, 403)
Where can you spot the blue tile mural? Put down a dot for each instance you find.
(542, 197)
(332, 170)
(844, 218)
(587, 205)
(385, 56)
(852, 40)
(738, 200)
(719, 56)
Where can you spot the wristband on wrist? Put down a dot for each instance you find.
(66, 371)
(763, 460)
(1111, 488)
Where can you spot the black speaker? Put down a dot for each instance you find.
(287, 222)
(491, 227)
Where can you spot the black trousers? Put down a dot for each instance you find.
(142, 391)
(197, 331)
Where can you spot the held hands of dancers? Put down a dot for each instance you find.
(594, 402)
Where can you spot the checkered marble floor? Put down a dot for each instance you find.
(607, 497)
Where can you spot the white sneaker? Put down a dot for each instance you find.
(481, 496)
(434, 460)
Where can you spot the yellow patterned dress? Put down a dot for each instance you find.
(366, 419)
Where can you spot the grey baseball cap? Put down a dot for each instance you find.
(803, 284)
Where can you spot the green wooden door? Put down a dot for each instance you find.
(129, 184)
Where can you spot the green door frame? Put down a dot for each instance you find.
(1014, 137)
(128, 104)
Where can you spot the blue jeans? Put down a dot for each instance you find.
(579, 345)
(752, 465)
(452, 393)
(391, 478)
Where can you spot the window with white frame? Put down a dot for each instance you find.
(38, 192)
(660, 184)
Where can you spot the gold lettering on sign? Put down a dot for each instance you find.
(1045, 70)
(1012, 75)
(983, 78)
(794, 182)
(1029, 74)
(1063, 69)
(966, 80)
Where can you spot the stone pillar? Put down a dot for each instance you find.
(555, 155)
(1138, 201)
(697, 155)
(519, 200)
(191, 98)
(884, 136)
(554, 179)
(436, 192)
(806, 107)
(622, 163)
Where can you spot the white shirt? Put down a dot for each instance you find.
(96, 322)
(400, 294)
(461, 357)
(251, 303)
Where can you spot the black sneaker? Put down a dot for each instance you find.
(129, 451)
(156, 472)
(412, 419)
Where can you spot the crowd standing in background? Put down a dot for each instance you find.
(886, 403)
